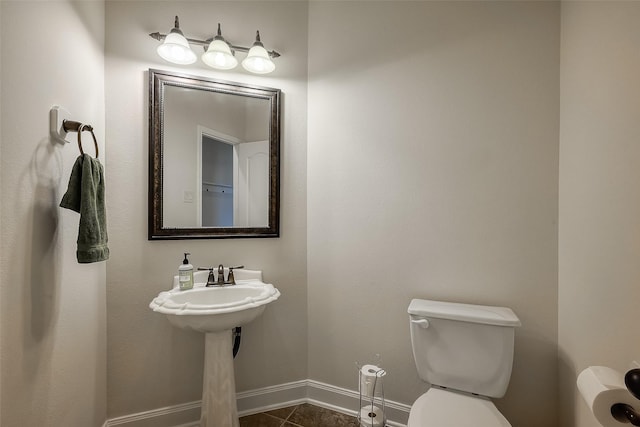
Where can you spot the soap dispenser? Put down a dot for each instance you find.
(185, 274)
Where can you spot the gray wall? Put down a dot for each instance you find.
(274, 348)
(53, 310)
(433, 173)
(599, 237)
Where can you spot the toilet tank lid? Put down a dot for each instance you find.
(500, 316)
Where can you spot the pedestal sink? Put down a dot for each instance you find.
(216, 311)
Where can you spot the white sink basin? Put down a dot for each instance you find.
(216, 309)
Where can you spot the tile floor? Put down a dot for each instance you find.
(304, 415)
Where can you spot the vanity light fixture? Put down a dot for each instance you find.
(176, 47)
(218, 53)
(257, 60)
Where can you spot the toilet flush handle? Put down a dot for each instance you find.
(423, 323)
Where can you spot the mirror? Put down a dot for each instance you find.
(214, 158)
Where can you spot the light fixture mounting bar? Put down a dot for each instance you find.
(204, 43)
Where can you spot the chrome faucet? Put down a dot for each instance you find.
(212, 281)
(220, 276)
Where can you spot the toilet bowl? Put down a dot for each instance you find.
(465, 352)
(444, 408)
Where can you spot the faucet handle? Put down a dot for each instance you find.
(231, 278)
(210, 279)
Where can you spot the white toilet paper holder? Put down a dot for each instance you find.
(623, 412)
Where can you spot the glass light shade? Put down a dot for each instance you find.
(258, 61)
(218, 55)
(176, 49)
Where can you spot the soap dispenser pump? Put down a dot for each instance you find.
(185, 274)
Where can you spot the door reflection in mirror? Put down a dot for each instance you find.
(234, 187)
(252, 184)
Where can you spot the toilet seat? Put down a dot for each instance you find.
(444, 408)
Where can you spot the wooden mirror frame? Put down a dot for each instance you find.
(157, 81)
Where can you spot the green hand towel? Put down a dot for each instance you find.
(85, 195)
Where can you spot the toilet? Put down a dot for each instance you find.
(465, 352)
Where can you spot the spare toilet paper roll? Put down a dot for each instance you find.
(369, 377)
(601, 388)
(371, 416)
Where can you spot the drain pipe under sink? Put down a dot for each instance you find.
(237, 336)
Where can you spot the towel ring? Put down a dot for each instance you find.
(82, 128)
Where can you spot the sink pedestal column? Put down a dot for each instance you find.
(219, 407)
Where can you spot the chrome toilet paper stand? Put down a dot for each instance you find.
(376, 398)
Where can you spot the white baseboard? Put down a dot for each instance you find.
(265, 399)
(348, 402)
(182, 415)
(273, 397)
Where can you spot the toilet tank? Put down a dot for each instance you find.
(463, 346)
